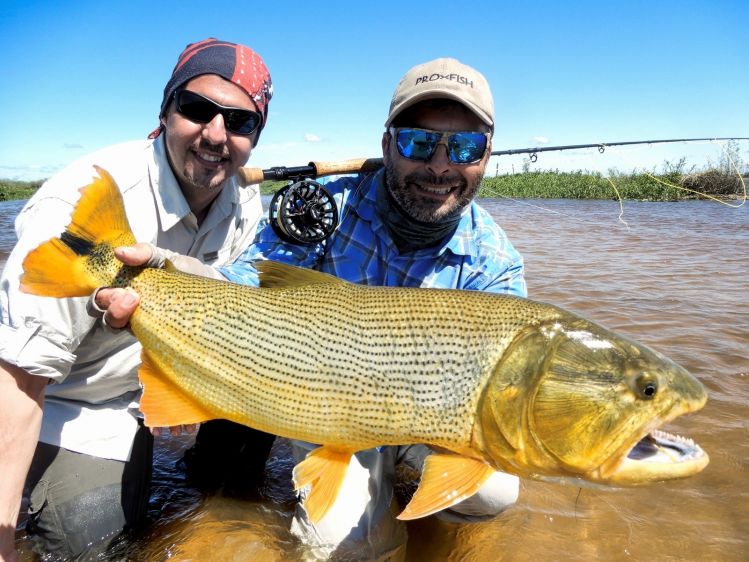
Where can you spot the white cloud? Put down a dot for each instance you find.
(310, 137)
(28, 172)
(540, 140)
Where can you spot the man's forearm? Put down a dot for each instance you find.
(21, 401)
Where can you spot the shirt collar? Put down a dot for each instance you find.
(461, 243)
(171, 204)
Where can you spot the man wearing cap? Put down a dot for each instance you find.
(66, 379)
(412, 224)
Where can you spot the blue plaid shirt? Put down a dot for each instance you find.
(477, 256)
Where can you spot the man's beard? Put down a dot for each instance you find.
(425, 209)
(195, 181)
(203, 182)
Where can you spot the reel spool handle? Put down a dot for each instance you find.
(304, 212)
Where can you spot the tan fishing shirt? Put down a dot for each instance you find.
(91, 405)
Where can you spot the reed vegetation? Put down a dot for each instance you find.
(592, 185)
(12, 189)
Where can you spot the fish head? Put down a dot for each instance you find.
(570, 399)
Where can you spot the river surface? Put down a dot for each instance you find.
(672, 275)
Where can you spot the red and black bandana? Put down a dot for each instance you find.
(236, 63)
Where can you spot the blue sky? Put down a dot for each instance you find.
(78, 76)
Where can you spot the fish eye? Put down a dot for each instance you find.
(646, 386)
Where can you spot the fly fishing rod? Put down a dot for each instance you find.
(601, 146)
(304, 212)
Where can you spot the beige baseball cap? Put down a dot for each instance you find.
(444, 78)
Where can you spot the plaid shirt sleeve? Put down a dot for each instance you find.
(268, 246)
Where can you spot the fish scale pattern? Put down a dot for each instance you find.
(331, 362)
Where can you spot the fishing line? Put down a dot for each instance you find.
(727, 154)
(705, 195)
(546, 209)
(621, 203)
(569, 216)
(731, 161)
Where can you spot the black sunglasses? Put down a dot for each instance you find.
(200, 109)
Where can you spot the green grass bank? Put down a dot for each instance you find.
(672, 186)
(11, 189)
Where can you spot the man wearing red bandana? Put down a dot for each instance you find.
(70, 430)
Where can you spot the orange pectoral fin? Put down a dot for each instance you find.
(445, 480)
(162, 403)
(324, 469)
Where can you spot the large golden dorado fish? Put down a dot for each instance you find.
(491, 382)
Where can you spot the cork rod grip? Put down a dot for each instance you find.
(249, 176)
(354, 166)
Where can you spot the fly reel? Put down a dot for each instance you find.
(303, 212)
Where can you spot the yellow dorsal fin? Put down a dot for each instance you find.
(170, 267)
(324, 469)
(162, 404)
(446, 480)
(277, 274)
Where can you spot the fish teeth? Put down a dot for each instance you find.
(687, 442)
(673, 437)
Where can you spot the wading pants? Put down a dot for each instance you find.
(78, 504)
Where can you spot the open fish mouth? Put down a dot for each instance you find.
(660, 456)
(660, 446)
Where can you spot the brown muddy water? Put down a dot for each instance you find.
(675, 278)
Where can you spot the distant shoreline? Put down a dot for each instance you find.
(547, 185)
(13, 189)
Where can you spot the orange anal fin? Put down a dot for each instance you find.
(162, 403)
(445, 480)
(324, 469)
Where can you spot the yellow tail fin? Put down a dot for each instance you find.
(82, 258)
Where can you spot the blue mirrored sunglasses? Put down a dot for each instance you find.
(200, 109)
(463, 147)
